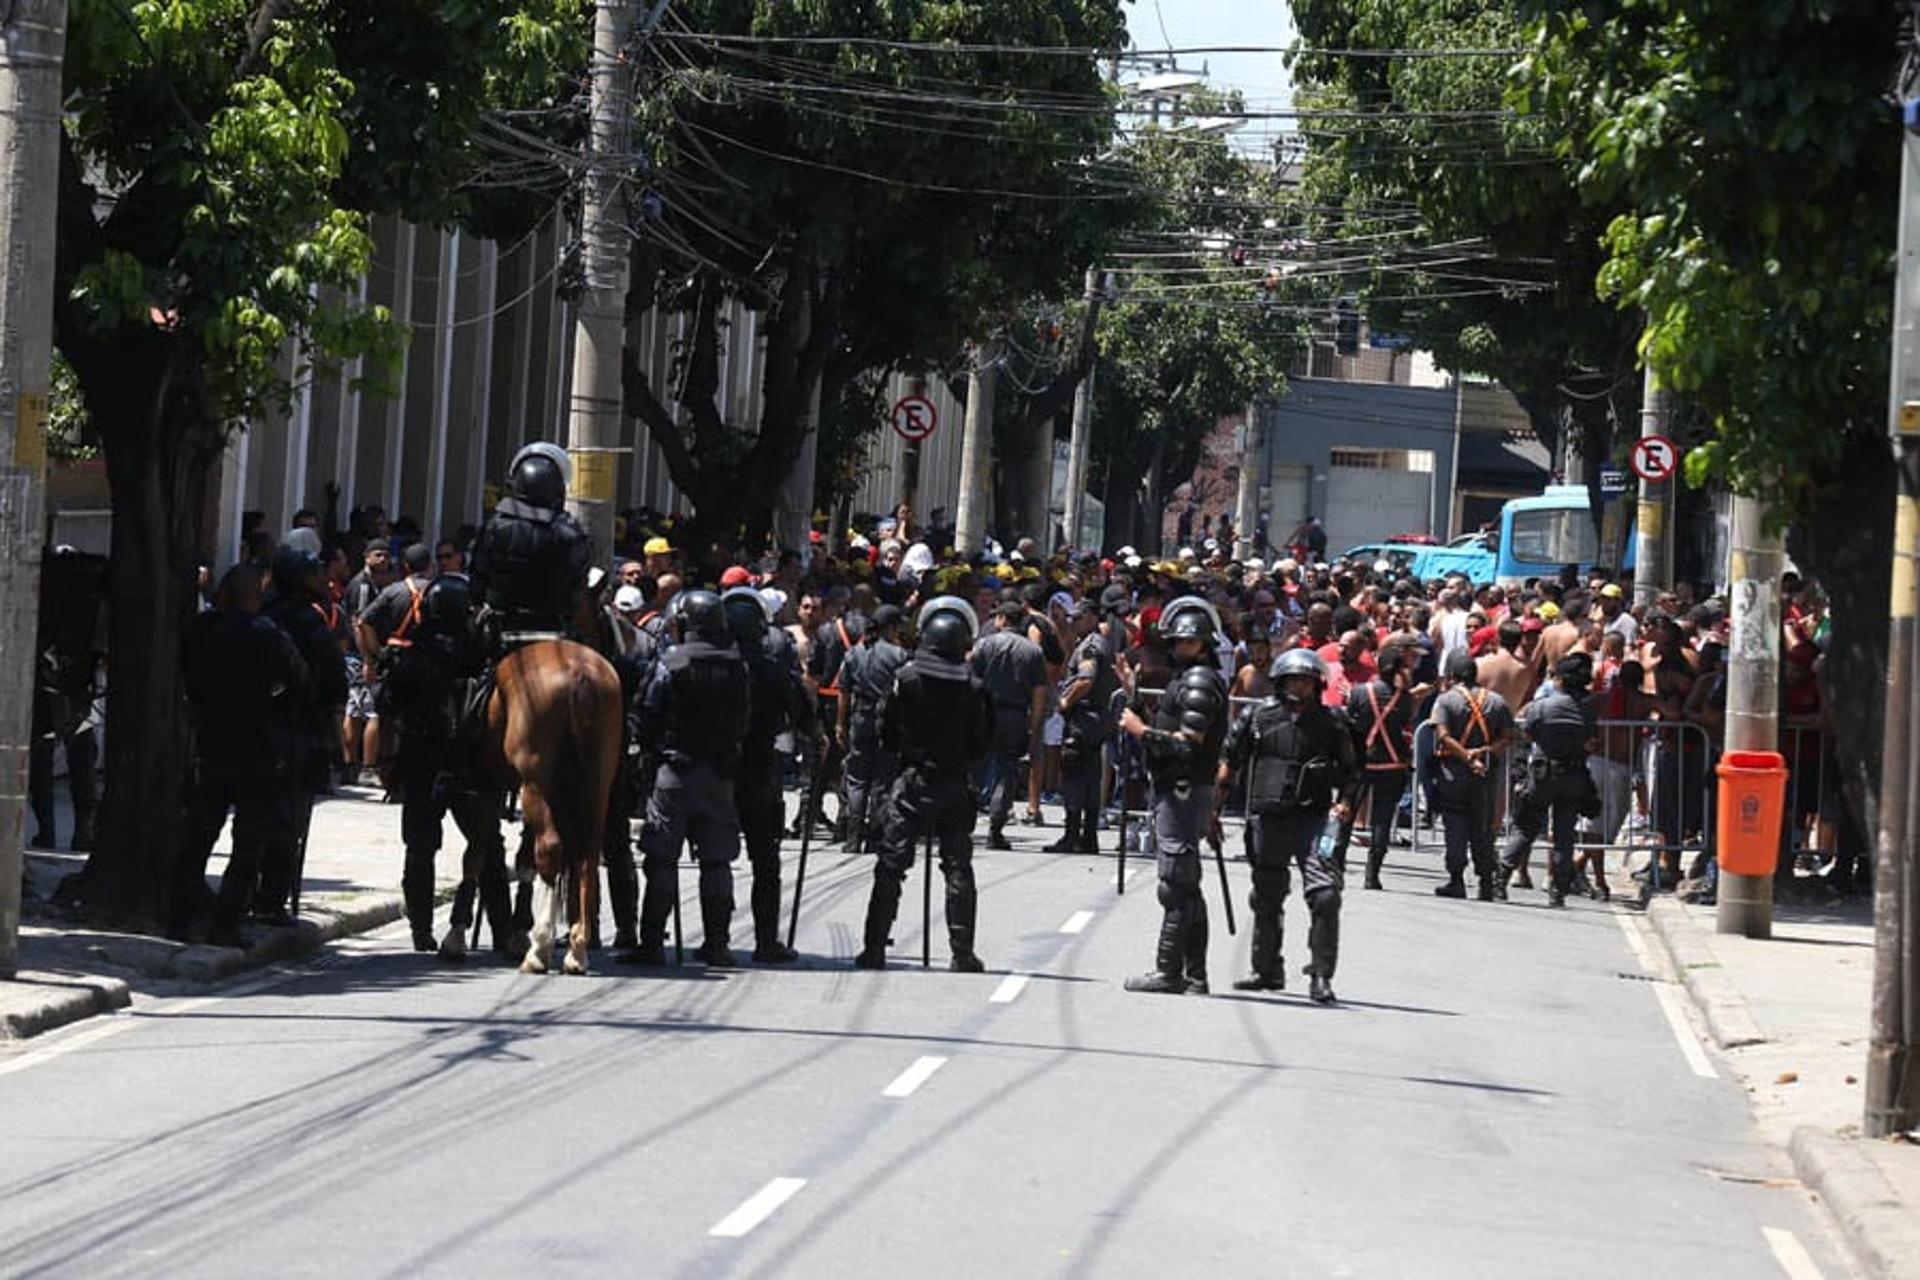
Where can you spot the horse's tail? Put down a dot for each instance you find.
(584, 776)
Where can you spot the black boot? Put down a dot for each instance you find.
(1089, 831)
(1195, 948)
(1376, 858)
(1455, 887)
(1268, 969)
(417, 890)
(1500, 877)
(716, 921)
(1556, 886)
(880, 912)
(765, 899)
(963, 906)
(1320, 989)
(1323, 937)
(656, 906)
(1170, 959)
(1069, 841)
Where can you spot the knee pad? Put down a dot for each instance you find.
(1175, 896)
(1324, 902)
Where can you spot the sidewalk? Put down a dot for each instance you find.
(69, 971)
(1791, 1018)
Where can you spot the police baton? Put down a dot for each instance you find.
(679, 947)
(1115, 705)
(926, 908)
(1226, 891)
(800, 876)
(300, 849)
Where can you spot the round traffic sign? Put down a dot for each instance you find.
(914, 418)
(1655, 458)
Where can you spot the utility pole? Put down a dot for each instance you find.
(1893, 1069)
(33, 39)
(976, 452)
(1755, 562)
(595, 416)
(1246, 510)
(1652, 573)
(1079, 450)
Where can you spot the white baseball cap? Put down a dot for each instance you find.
(629, 600)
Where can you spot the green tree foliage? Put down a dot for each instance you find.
(1454, 206)
(219, 167)
(876, 206)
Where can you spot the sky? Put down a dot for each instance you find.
(1189, 23)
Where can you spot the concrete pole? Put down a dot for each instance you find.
(32, 42)
(1653, 571)
(1079, 452)
(976, 453)
(1755, 564)
(796, 496)
(1893, 1068)
(1246, 510)
(600, 329)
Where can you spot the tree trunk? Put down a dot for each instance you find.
(159, 452)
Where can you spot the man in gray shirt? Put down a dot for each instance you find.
(1014, 671)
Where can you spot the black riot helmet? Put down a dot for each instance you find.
(700, 613)
(746, 614)
(447, 605)
(1190, 618)
(538, 482)
(296, 570)
(947, 628)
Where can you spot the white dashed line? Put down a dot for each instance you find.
(913, 1077)
(1669, 997)
(1635, 941)
(1009, 989)
(1076, 922)
(1790, 1254)
(758, 1208)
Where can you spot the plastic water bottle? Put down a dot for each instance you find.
(1329, 839)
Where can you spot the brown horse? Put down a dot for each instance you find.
(553, 725)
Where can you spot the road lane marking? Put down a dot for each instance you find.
(913, 1077)
(112, 1025)
(1076, 922)
(1009, 989)
(1790, 1254)
(758, 1208)
(1635, 941)
(1669, 997)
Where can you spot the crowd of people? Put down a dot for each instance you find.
(909, 689)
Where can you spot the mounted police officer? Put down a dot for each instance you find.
(1472, 727)
(866, 682)
(299, 608)
(1182, 748)
(1085, 705)
(1300, 759)
(1381, 712)
(938, 723)
(530, 559)
(778, 702)
(1558, 790)
(694, 722)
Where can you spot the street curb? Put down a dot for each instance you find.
(1883, 1235)
(1729, 1020)
(315, 929)
(64, 998)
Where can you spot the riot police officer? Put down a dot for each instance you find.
(298, 608)
(1381, 712)
(1472, 727)
(1182, 748)
(694, 723)
(422, 695)
(866, 682)
(939, 724)
(530, 559)
(1085, 705)
(1300, 758)
(1558, 789)
(778, 701)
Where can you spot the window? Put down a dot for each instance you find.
(1551, 537)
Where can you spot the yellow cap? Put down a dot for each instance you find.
(657, 547)
(1549, 610)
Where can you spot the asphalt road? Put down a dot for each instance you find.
(1503, 1091)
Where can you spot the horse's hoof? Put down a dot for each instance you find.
(533, 964)
(575, 965)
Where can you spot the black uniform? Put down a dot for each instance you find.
(529, 566)
(1010, 667)
(245, 682)
(1382, 720)
(1474, 718)
(1089, 724)
(778, 702)
(866, 680)
(937, 724)
(308, 624)
(1557, 788)
(1182, 748)
(1299, 761)
(694, 723)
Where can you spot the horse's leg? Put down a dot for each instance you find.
(453, 947)
(586, 882)
(546, 902)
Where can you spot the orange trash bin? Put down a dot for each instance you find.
(1753, 796)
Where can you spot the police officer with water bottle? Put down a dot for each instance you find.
(1300, 761)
